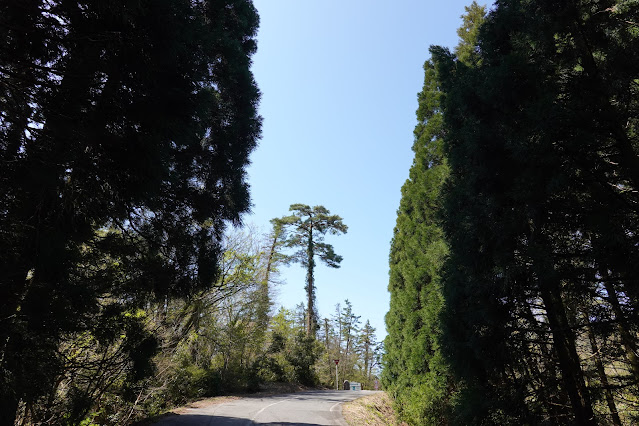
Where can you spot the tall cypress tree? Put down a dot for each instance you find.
(415, 370)
(124, 133)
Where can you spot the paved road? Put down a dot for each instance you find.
(302, 408)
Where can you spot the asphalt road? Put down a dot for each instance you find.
(302, 408)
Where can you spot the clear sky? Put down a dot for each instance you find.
(339, 82)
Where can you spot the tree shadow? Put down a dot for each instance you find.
(212, 420)
(201, 420)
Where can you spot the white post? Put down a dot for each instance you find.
(336, 378)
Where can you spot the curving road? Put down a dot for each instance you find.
(302, 408)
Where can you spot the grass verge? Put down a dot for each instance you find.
(371, 410)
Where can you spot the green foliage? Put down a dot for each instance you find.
(539, 214)
(189, 382)
(302, 355)
(356, 347)
(291, 355)
(415, 371)
(417, 254)
(124, 134)
(467, 50)
(308, 226)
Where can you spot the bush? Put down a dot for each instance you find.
(302, 356)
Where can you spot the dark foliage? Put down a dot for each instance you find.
(125, 128)
(540, 210)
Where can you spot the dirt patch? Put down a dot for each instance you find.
(203, 403)
(371, 410)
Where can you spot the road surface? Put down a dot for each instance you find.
(302, 408)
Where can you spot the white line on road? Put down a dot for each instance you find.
(260, 412)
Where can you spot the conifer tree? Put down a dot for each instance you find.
(415, 370)
(368, 345)
(274, 257)
(540, 138)
(125, 129)
(349, 327)
(417, 252)
(308, 227)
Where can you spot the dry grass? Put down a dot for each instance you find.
(203, 403)
(372, 410)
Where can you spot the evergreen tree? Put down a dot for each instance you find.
(415, 371)
(540, 212)
(308, 227)
(124, 133)
(274, 257)
(368, 346)
(356, 348)
(349, 328)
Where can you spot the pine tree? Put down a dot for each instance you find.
(274, 258)
(349, 326)
(368, 346)
(308, 227)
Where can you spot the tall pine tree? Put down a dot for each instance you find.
(308, 226)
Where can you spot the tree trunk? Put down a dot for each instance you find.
(547, 394)
(328, 351)
(569, 362)
(602, 374)
(626, 338)
(366, 359)
(8, 408)
(310, 285)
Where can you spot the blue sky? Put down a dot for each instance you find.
(339, 83)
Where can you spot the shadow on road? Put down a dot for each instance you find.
(200, 420)
(207, 417)
(209, 420)
(287, 424)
